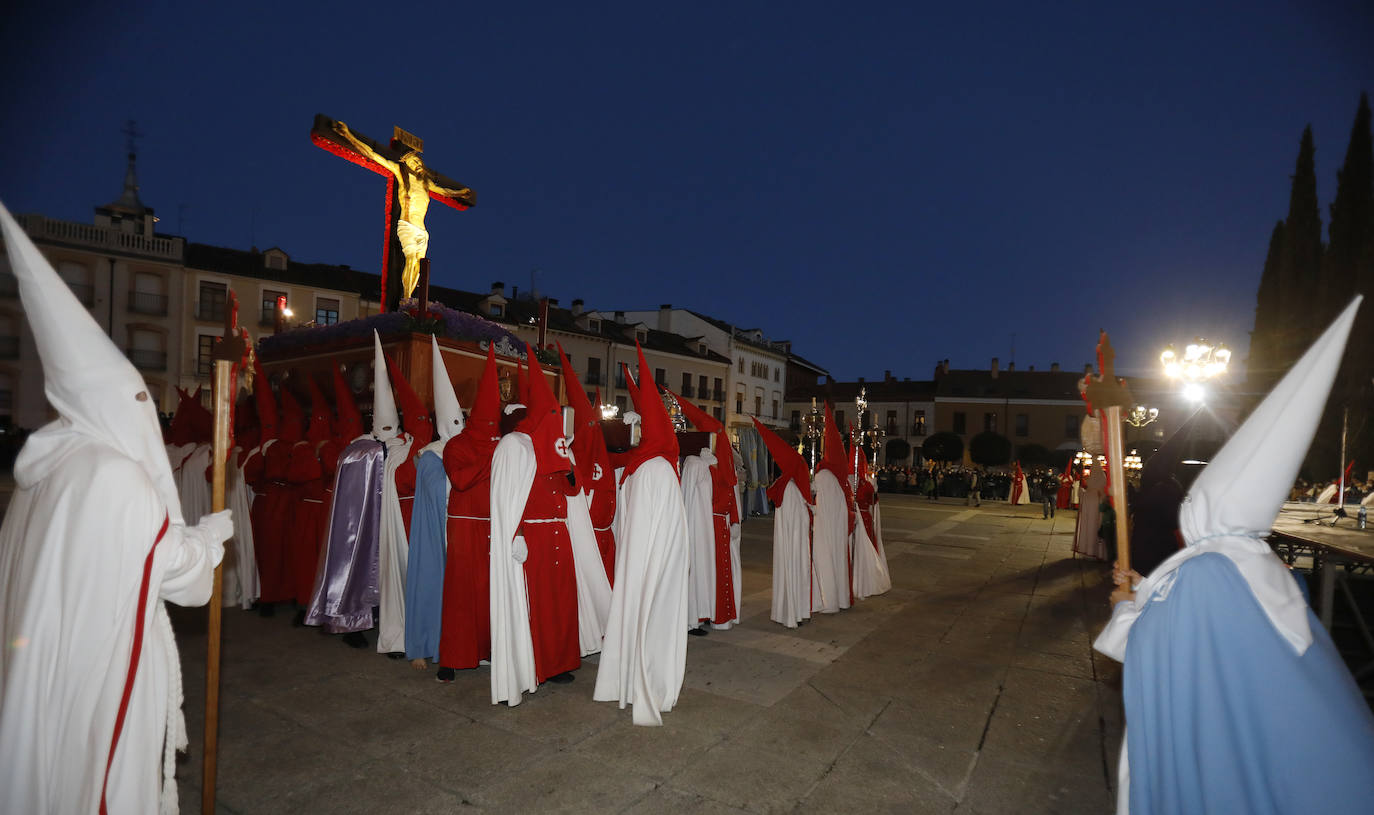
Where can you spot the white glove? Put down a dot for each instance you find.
(212, 531)
(519, 551)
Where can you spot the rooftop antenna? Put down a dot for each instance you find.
(1013, 348)
(131, 131)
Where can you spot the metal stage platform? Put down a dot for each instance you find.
(1304, 537)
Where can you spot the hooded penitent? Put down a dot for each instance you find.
(398, 493)
(832, 523)
(795, 583)
(465, 636)
(645, 651)
(425, 562)
(1230, 684)
(724, 562)
(91, 544)
(595, 473)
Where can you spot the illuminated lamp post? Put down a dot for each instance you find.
(1201, 362)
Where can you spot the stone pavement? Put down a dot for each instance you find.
(971, 687)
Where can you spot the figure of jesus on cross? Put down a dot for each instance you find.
(417, 183)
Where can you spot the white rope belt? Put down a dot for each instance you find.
(312, 501)
(601, 528)
(544, 521)
(471, 517)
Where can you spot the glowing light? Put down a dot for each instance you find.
(286, 312)
(610, 411)
(1194, 392)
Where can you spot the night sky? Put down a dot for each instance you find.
(885, 185)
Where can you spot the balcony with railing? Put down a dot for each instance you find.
(267, 318)
(594, 380)
(142, 302)
(102, 237)
(688, 392)
(718, 395)
(9, 348)
(148, 360)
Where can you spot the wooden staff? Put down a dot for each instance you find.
(229, 352)
(1106, 393)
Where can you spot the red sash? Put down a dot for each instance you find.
(133, 662)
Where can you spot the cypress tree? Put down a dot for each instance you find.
(1300, 269)
(1262, 369)
(1350, 256)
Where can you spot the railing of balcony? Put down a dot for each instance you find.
(142, 302)
(148, 360)
(687, 391)
(594, 379)
(9, 348)
(101, 237)
(268, 317)
(718, 395)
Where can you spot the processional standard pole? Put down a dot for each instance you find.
(230, 354)
(1105, 394)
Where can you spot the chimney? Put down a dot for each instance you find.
(1054, 367)
(861, 380)
(994, 367)
(620, 317)
(577, 308)
(1031, 369)
(665, 317)
(1087, 369)
(498, 288)
(946, 365)
(1011, 366)
(553, 301)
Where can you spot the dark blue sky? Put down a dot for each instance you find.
(884, 185)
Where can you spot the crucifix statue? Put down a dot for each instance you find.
(1106, 394)
(410, 185)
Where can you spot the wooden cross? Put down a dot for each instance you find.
(326, 134)
(230, 354)
(1106, 394)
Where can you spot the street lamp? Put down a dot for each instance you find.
(1200, 361)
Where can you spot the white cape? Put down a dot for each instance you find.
(830, 545)
(241, 585)
(593, 587)
(792, 582)
(72, 550)
(644, 657)
(512, 647)
(701, 537)
(393, 554)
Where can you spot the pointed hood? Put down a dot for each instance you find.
(448, 413)
(348, 424)
(485, 416)
(179, 432)
(835, 459)
(657, 437)
(291, 427)
(266, 404)
(202, 420)
(386, 423)
(1232, 504)
(590, 456)
(543, 422)
(414, 415)
(791, 463)
(93, 387)
(321, 417)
